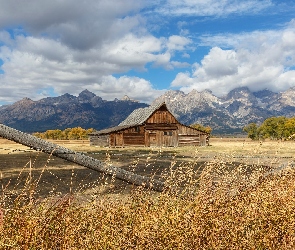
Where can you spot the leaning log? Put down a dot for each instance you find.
(79, 158)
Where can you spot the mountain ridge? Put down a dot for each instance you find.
(86, 110)
(226, 114)
(229, 113)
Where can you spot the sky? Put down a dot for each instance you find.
(143, 48)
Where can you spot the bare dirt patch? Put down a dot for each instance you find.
(20, 165)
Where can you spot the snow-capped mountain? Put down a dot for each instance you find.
(229, 113)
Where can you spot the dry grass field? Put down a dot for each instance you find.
(55, 175)
(220, 198)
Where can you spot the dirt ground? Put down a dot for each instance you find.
(21, 166)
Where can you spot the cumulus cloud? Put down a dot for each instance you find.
(134, 87)
(258, 60)
(36, 64)
(72, 45)
(94, 20)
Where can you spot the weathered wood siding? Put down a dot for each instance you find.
(133, 136)
(189, 136)
(136, 139)
(170, 138)
(159, 138)
(99, 140)
(116, 139)
(163, 116)
(161, 129)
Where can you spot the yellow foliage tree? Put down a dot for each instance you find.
(206, 129)
(76, 133)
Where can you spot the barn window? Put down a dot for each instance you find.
(137, 129)
(168, 133)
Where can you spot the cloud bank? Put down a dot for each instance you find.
(258, 60)
(54, 47)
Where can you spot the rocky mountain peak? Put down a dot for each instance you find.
(238, 93)
(288, 97)
(86, 95)
(25, 102)
(207, 91)
(264, 93)
(65, 98)
(126, 98)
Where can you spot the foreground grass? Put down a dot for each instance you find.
(224, 208)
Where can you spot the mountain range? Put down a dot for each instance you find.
(227, 114)
(230, 113)
(67, 111)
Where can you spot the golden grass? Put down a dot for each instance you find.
(220, 214)
(230, 204)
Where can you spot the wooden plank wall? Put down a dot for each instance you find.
(162, 116)
(191, 136)
(101, 140)
(136, 139)
(127, 137)
(116, 139)
(170, 138)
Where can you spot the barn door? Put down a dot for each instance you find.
(152, 139)
(169, 139)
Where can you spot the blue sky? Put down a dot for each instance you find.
(142, 48)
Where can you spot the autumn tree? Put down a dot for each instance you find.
(76, 133)
(252, 131)
(206, 129)
(275, 128)
(290, 127)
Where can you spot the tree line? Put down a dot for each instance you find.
(76, 133)
(274, 128)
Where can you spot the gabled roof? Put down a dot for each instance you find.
(137, 117)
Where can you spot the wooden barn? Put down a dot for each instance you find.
(153, 126)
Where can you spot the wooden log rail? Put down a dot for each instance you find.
(79, 158)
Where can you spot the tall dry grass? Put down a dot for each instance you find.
(226, 206)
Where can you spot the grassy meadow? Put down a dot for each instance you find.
(219, 197)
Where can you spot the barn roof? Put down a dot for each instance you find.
(109, 130)
(137, 117)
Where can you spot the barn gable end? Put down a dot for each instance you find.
(154, 126)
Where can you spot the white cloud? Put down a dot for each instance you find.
(67, 46)
(212, 7)
(35, 64)
(178, 43)
(74, 45)
(78, 24)
(134, 87)
(132, 51)
(217, 63)
(258, 60)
